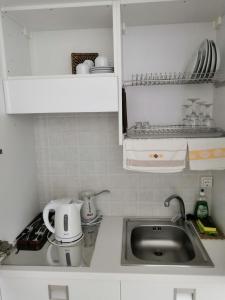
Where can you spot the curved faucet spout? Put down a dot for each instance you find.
(180, 201)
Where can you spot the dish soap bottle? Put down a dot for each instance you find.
(201, 208)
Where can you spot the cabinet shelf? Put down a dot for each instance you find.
(176, 78)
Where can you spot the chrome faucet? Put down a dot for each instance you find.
(181, 204)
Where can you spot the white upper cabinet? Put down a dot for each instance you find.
(159, 38)
(37, 42)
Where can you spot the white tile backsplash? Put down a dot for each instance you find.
(80, 151)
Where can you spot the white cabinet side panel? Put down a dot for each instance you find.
(218, 203)
(18, 193)
(16, 48)
(219, 103)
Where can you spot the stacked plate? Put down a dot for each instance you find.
(205, 62)
(96, 70)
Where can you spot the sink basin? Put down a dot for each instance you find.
(162, 242)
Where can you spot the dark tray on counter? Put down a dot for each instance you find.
(34, 235)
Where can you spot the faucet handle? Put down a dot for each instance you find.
(101, 192)
(89, 194)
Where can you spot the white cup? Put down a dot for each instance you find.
(89, 63)
(101, 61)
(82, 69)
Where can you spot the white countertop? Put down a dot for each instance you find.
(107, 257)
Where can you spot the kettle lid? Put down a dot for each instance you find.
(63, 201)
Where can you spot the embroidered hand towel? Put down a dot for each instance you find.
(206, 154)
(154, 155)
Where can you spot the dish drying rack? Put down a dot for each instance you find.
(175, 78)
(173, 131)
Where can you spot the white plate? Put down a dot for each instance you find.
(218, 57)
(209, 60)
(205, 54)
(97, 72)
(202, 52)
(94, 69)
(214, 59)
(193, 64)
(99, 68)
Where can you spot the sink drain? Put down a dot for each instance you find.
(158, 253)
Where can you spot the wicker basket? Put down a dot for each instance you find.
(78, 58)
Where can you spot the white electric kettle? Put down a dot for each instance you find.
(64, 256)
(67, 219)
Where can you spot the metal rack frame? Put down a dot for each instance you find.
(175, 78)
(173, 131)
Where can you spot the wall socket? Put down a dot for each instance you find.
(206, 182)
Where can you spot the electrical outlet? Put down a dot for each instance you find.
(206, 182)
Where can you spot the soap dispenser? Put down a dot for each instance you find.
(201, 208)
(88, 210)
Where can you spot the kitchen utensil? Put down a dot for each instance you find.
(34, 235)
(193, 64)
(208, 120)
(89, 62)
(88, 211)
(101, 61)
(79, 58)
(205, 54)
(218, 56)
(102, 70)
(202, 51)
(213, 60)
(209, 61)
(82, 69)
(40, 232)
(64, 256)
(67, 219)
(97, 220)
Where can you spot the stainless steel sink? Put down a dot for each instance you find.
(162, 242)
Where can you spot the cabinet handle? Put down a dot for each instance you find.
(184, 294)
(58, 292)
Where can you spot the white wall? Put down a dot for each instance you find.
(218, 204)
(80, 151)
(18, 197)
(18, 191)
(162, 48)
(51, 50)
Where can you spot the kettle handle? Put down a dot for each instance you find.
(49, 256)
(50, 206)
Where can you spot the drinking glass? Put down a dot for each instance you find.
(201, 112)
(146, 125)
(186, 114)
(208, 120)
(193, 103)
(194, 118)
